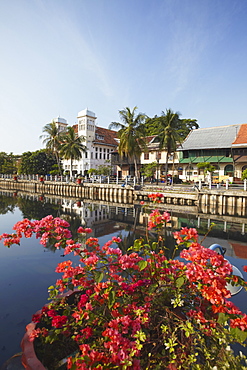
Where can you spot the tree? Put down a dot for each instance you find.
(168, 136)
(184, 126)
(104, 170)
(131, 134)
(52, 140)
(8, 163)
(207, 167)
(149, 169)
(71, 147)
(39, 162)
(92, 171)
(244, 174)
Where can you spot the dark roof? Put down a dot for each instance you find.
(211, 138)
(240, 158)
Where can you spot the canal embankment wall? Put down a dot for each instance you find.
(220, 200)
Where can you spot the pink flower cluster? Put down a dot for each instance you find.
(155, 197)
(46, 229)
(157, 219)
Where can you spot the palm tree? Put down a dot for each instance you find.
(71, 146)
(169, 135)
(131, 134)
(52, 140)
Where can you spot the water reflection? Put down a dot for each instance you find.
(26, 271)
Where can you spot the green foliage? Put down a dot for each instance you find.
(103, 170)
(71, 146)
(52, 139)
(8, 163)
(168, 132)
(244, 175)
(39, 162)
(184, 126)
(92, 171)
(131, 134)
(55, 170)
(207, 166)
(149, 169)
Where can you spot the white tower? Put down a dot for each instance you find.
(61, 123)
(86, 124)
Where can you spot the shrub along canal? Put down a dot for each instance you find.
(27, 271)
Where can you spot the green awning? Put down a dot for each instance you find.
(200, 159)
(194, 160)
(219, 159)
(211, 159)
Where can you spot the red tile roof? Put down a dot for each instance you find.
(241, 136)
(109, 136)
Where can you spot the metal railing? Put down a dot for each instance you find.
(131, 181)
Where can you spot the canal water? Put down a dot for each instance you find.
(26, 271)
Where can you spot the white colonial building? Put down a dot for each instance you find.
(99, 141)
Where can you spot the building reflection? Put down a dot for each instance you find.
(105, 218)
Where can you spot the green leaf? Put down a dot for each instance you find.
(239, 334)
(98, 276)
(222, 318)
(142, 265)
(112, 296)
(179, 282)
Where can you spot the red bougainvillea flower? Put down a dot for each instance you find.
(157, 219)
(155, 197)
(134, 309)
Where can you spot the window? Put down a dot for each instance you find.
(228, 171)
(96, 155)
(99, 137)
(146, 156)
(85, 154)
(91, 155)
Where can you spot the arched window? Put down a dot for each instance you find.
(228, 171)
(189, 170)
(244, 168)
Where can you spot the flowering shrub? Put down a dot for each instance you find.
(155, 197)
(138, 310)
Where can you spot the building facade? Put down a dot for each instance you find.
(154, 154)
(100, 143)
(224, 147)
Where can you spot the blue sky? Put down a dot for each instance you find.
(61, 56)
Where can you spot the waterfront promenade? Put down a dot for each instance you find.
(228, 199)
